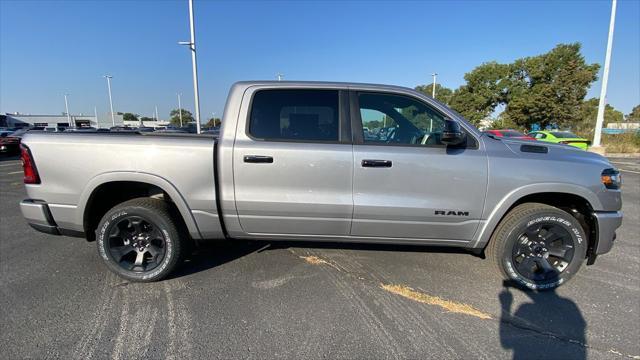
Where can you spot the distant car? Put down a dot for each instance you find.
(9, 144)
(561, 137)
(509, 133)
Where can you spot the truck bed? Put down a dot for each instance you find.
(72, 165)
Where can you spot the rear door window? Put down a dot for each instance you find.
(295, 115)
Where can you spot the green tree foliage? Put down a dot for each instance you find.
(186, 117)
(634, 115)
(443, 94)
(587, 113)
(130, 117)
(213, 122)
(146, 118)
(549, 88)
(544, 89)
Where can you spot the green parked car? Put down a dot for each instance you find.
(561, 137)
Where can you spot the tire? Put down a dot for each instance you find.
(537, 246)
(140, 241)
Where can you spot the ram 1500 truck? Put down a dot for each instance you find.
(336, 162)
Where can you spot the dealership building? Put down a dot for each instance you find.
(81, 120)
(17, 120)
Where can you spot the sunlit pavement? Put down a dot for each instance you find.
(284, 300)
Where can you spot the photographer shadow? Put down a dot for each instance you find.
(549, 327)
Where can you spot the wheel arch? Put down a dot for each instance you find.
(106, 190)
(578, 201)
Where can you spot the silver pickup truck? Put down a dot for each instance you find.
(338, 162)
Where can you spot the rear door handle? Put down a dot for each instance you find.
(258, 159)
(376, 163)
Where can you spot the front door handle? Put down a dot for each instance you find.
(258, 159)
(376, 163)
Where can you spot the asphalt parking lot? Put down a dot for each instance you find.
(291, 300)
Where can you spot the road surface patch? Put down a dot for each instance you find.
(450, 306)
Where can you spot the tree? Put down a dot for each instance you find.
(213, 122)
(549, 88)
(443, 94)
(187, 117)
(589, 111)
(130, 117)
(146, 118)
(487, 87)
(634, 115)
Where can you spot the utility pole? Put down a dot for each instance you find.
(66, 106)
(605, 79)
(180, 109)
(109, 77)
(192, 46)
(433, 89)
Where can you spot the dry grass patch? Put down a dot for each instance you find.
(450, 306)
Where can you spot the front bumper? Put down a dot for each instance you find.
(606, 224)
(39, 216)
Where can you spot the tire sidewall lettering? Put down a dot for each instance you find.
(575, 232)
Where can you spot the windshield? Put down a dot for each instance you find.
(564, 134)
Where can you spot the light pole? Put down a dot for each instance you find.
(605, 79)
(157, 118)
(109, 77)
(95, 113)
(180, 108)
(433, 89)
(192, 46)
(66, 106)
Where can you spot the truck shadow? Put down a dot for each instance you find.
(548, 327)
(215, 253)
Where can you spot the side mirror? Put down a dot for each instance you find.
(452, 133)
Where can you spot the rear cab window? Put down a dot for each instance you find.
(306, 115)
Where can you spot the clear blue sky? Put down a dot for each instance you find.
(48, 48)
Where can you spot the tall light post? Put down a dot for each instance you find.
(66, 106)
(180, 108)
(433, 89)
(109, 77)
(605, 79)
(192, 46)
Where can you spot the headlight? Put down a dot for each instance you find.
(611, 178)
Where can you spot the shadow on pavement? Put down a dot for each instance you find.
(215, 253)
(548, 327)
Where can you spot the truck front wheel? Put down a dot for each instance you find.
(538, 246)
(139, 240)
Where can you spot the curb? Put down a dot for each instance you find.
(623, 155)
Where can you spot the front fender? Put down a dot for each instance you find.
(484, 232)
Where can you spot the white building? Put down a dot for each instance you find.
(29, 120)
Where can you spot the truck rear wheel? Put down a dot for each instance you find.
(139, 240)
(538, 246)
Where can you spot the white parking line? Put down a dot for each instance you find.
(11, 164)
(14, 172)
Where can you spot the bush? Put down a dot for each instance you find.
(622, 143)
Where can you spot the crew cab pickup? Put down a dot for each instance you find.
(338, 162)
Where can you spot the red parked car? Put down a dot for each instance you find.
(508, 133)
